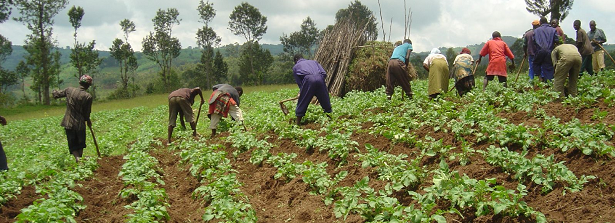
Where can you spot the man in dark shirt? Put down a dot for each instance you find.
(585, 48)
(310, 77)
(3, 163)
(181, 101)
(224, 101)
(530, 49)
(78, 108)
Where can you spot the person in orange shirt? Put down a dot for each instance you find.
(497, 50)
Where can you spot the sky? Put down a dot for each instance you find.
(435, 23)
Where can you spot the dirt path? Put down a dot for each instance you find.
(10, 210)
(179, 185)
(101, 193)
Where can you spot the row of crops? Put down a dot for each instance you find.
(460, 131)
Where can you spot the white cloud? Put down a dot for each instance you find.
(436, 23)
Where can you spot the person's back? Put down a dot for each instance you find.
(565, 52)
(545, 37)
(78, 107)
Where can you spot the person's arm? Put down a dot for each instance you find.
(554, 56)
(426, 63)
(201, 94)
(407, 58)
(59, 93)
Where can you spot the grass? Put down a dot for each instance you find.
(25, 112)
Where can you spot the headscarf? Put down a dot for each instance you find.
(435, 51)
(465, 50)
(86, 79)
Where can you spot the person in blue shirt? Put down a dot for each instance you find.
(397, 70)
(545, 38)
(310, 77)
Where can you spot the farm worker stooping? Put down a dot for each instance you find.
(310, 77)
(497, 50)
(597, 37)
(567, 62)
(3, 163)
(545, 38)
(462, 72)
(224, 100)
(181, 101)
(397, 70)
(78, 108)
(585, 48)
(437, 66)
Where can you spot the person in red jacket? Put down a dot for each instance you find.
(497, 50)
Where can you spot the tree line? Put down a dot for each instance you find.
(253, 65)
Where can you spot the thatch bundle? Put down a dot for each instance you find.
(335, 53)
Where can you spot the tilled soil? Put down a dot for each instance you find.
(279, 200)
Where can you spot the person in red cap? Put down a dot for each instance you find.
(462, 72)
(78, 108)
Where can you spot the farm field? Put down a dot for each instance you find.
(502, 155)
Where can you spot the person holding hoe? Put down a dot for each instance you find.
(224, 101)
(567, 61)
(397, 69)
(180, 102)
(310, 77)
(78, 108)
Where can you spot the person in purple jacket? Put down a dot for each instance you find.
(310, 77)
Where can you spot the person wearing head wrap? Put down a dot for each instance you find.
(397, 70)
(497, 50)
(462, 72)
(529, 49)
(224, 101)
(437, 66)
(78, 108)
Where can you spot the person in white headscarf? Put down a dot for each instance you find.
(437, 66)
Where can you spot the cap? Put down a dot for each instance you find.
(535, 22)
(86, 79)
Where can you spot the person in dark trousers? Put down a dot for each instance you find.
(3, 164)
(78, 108)
(529, 49)
(585, 48)
(397, 70)
(224, 101)
(180, 102)
(310, 77)
(567, 60)
(545, 38)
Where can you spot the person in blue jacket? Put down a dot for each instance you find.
(310, 77)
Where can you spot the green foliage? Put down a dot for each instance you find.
(361, 16)
(368, 68)
(246, 20)
(301, 41)
(122, 52)
(161, 47)
(254, 63)
(45, 63)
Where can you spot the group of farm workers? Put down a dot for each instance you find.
(548, 57)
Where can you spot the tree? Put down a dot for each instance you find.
(254, 63)
(160, 46)
(247, 20)
(362, 16)
(122, 52)
(38, 15)
(83, 57)
(220, 67)
(206, 40)
(557, 8)
(23, 71)
(450, 56)
(302, 41)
